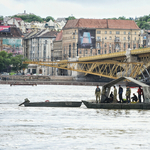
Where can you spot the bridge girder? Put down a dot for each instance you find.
(109, 69)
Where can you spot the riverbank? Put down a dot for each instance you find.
(17, 82)
(54, 80)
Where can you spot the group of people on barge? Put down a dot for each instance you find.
(113, 95)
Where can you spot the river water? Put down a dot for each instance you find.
(23, 128)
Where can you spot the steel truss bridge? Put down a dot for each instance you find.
(111, 65)
(107, 69)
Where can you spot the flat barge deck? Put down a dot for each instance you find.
(117, 105)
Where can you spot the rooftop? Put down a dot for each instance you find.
(101, 23)
(59, 36)
(14, 33)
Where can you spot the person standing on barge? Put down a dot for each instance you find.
(115, 95)
(120, 93)
(128, 93)
(97, 93)
(140, 92)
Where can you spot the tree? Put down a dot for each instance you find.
(5, 61)
(143, 25)
(17, 63)
(29, 18)
(1, 18)
(48, 18)
(70, 18)
(122, 18)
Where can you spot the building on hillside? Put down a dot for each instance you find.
(145, 38)
(38, 46)
(57, 47)
(18, 22)
(11, 40)
(89, 37)
(57, 53)
(61, 19)
(24, 14)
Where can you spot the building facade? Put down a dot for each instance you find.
(11, 39)
(89, 37)
(38, 46)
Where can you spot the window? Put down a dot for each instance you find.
(86, 51)
(124, 32)
(105, 38)
(117, 32)
(98, 45)
(91, 51)
(105, 45)
(124, 38)
(45, 41)
(98, 32)
(73, 37)
(134, 46)
(110, 37)
(80, 51)
(109, 51)
(110, 32)
(110, 45)
(98, 38)
(117, 39)
(135, 33)
(99, 51)
(69, 50)
(105, 51)
(124, 45)
(117, 46)
(128, 32)
(135, 38)
(73, 46)
(128, 45)
(105, 32)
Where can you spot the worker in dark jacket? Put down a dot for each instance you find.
(134, 98)
(97, 94)
(120, 92)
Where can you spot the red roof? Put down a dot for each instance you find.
(101, 23)
(59, 36)
(18, 19)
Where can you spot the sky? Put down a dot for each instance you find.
(96, 9)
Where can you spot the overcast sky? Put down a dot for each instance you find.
(79, 8)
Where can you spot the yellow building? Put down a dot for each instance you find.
(88, 37)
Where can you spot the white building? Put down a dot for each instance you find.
(38, 47)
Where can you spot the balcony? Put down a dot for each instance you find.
(117, 40)
(98, 40)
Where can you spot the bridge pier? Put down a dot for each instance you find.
(129, 57)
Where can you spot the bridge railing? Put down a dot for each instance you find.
(104, 56)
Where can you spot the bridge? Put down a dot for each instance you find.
(129, 63)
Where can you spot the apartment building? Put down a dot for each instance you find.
(38, 46)
(11, 39)
(89, 37)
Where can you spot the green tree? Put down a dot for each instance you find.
(5, 61)
(143, 25)
(48, 18)
(17, 63)
(70, 18)
(1, 18)
(29, 18)
(122, 18)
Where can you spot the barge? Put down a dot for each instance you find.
(106, 91)
(47, 103)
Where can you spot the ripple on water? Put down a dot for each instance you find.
(67, 128)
